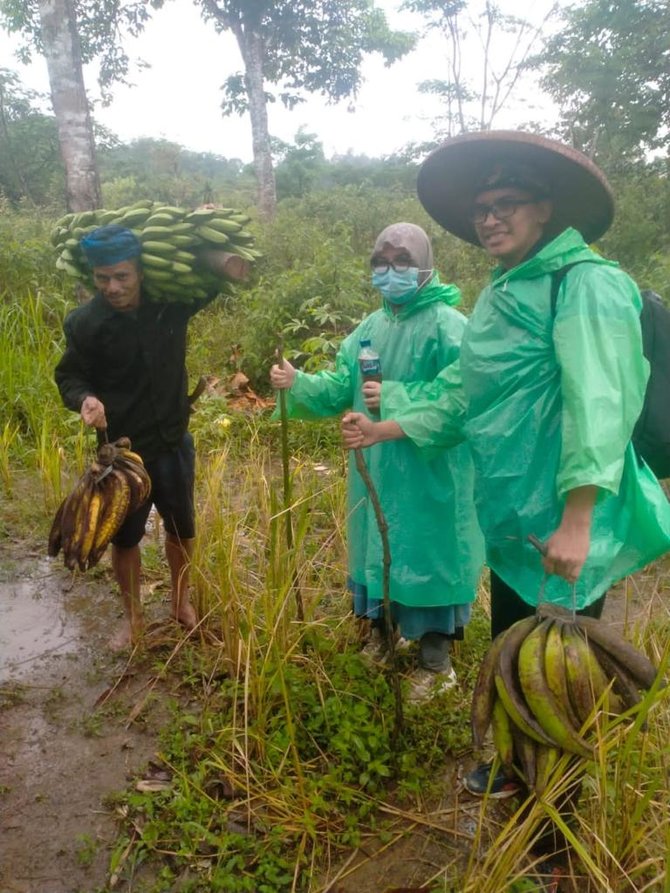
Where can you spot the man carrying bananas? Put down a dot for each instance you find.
(550, 383)
(123, 370)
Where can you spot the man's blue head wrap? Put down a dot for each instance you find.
(109, 245)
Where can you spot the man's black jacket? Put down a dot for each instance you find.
(134, 362)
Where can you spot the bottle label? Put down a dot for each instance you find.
(371, 366)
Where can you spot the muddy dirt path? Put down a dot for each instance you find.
(61, 755)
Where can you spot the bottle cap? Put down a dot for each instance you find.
(365, 342)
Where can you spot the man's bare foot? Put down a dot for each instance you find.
(185, 615)
(125, 636)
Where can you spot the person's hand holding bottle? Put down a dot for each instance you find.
(372, 395)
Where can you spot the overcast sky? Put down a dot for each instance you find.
(179, 96)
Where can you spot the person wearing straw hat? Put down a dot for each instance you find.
(549, 385)
(123, 371)
(417, 332)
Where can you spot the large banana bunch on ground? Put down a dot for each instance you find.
(111, 488)
(177, 245)
(541, 685)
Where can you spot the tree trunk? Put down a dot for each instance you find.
(62, 52)
(251, 47)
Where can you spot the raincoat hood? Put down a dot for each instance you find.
(414, 240)
(432, 292)
(566, 249)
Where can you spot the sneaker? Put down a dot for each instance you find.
(403, 645)
(374, 651)
(427, 684)
(502, 786)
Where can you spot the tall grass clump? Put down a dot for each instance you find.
(30, 339)
(246, 574)
(32, 307)
(36, 432)
(26, 255)
(7, 437)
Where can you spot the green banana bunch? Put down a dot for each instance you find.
(88, 518)
(542, 684)
(172, 239)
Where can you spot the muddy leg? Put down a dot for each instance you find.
(127, 564)
(179, 554)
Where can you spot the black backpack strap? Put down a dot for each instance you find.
(557, 277)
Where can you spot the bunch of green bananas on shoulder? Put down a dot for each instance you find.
(542, 685)
(111, 488)
(176, 246)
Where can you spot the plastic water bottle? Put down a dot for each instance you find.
(370, 366)
(369, 362)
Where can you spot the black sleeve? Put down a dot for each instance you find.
(72, 371)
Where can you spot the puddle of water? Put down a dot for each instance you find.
(34, 622)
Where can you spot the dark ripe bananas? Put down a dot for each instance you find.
(110, 489)
(175, 243)
(543, 683)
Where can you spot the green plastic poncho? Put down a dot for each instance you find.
(435, 543)
(549, 404)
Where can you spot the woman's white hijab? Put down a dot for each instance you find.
(414, 240)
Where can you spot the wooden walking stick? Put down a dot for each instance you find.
(288, 517)
(382, 524)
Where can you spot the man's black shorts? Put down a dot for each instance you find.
(172, 479)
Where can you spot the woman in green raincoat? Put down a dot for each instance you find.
(435, 543)
(550, 383)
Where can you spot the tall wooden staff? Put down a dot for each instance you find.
(287, 486)
(382, 524)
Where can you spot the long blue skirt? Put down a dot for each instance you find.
(412, 622)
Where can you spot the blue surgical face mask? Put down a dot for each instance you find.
(398, 288)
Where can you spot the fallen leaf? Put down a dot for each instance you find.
(238, 382)
(152, 785)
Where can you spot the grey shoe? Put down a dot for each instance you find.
(426, 684)
(376, 648)
(374, 651)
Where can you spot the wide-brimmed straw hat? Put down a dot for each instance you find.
(452, 175)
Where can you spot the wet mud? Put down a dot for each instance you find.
(62, 754)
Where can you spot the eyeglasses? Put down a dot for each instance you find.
(380, 267)
(501, 210)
